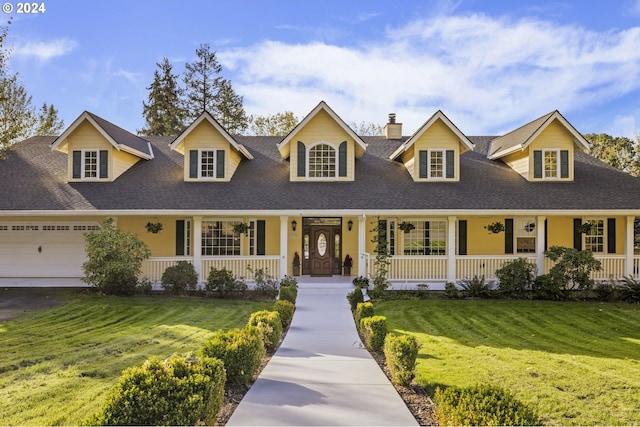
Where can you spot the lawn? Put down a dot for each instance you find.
(578, 363)
(58, 364)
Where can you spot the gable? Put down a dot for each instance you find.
(436, 145)
(210, 152)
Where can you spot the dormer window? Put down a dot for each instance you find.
(322, 161)
(206, 164)
(437, 164)
(551, 164)
(90, 164)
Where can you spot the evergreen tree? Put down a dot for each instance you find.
(163, 113)
(202, 83)
(48, 122)
(230, 110)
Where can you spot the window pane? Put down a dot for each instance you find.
(218, 238)
(90, 164)
(526, 236)
(436, 168)
(594, 237)
(207, 164)
(550, 164)
(426, 238)
(322, 161)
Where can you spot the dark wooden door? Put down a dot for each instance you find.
(321, 251)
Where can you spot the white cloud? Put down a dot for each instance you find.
(489, 75)
(44, 51)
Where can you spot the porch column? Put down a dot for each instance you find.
(361, 244)
(284, 249)
(540, 244)
(451, 249)
(628, 246)
(197, 247)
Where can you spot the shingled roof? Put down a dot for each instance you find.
(34, 178)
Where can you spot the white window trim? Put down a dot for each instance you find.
(83, 171)
(400, 235)
(558, 167)
(215, 164)
(444, 164)
(605, 233)
(188, 229)
(517, 222)
(336, 165)
(233, 220)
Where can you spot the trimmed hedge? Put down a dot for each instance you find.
(354, 297)
(285, 309)
(482, 405)
(269, 327)
(241, 350)
(180, 277)
(181, 390)
(400, 352)
(289, 293)
(374, 330)
(223, 283)
(363, 309)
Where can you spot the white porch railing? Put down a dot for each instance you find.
(636, 267)
(468, 266)
(153, 268)
(406, 267)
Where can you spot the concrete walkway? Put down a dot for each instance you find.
(321, 374)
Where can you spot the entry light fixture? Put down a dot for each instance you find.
(294, 224)
(350, 225)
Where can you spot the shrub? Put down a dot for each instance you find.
(476, 287)
(289, 293)
(605, 291)
(516, 277)
(224, 283)
(354, 297)
(400, 353)
(452, 291)
(482, 405)
(269, 327)
(180, 277)
(144, 287)
(285, 309)
(374, 331)
(573, 268)
(266, 284)
(630, 289)
(241, 350)
(289, 281)
(544, 287)
(114, 259)
(182, 390)
(363, 309)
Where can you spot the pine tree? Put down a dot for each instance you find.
(230, 111)
(163, 113)
(48, 122)
(202, 83)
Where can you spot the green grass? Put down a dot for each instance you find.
(577, 363)
(57, 365)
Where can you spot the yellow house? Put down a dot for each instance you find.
(322, 192)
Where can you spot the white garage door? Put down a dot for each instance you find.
(39, 249)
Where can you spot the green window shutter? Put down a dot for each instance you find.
(104, 164)
(462, 237)
(260, 237)
(508, 236)
(537, 164)
(611, 235)
(577, 235)
(450, 164)
(342, 159)
(179, 237)
(193, 164)
(302, 159)
(564, 164)
(220, 164)
(423, 163)
(77, 164)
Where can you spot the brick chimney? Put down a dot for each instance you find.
(393, 130)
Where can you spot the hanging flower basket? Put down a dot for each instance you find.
(154, 227)
(585, 227)
(406, 226)
(495, 227)
(241, 228)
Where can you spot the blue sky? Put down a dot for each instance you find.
(490, 66)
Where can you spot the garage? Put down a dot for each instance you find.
(42, 249)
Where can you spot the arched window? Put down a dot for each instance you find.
(322, 161)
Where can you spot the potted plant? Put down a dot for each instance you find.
(296, 264)
(495, 227)
(348, 263)
(406, 226)
(154, 227)
(361, 282)
(241, 228)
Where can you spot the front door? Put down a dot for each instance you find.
(322, 246)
